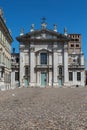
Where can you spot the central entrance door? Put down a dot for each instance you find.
(60, 82)
(43, 79)
(26, 82)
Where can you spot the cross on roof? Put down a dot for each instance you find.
(43, 20)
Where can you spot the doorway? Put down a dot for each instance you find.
(26, 82)
(43, 79)
(60, 81)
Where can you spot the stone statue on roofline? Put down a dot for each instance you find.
(65, 31)
(32, 27)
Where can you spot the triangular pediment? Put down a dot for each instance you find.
(42, 34)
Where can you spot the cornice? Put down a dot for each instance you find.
(5, 29)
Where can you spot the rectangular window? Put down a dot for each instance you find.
(60, 71)
(78, 76)
(70, 76)
(43, 58)
(26, 71)
(72, 45)
(16, 76)
(76, 40)
(77, 45)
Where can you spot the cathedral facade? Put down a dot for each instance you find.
(50, 59)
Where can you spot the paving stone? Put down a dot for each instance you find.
(43, 109)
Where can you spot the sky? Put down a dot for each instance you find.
(71, 14)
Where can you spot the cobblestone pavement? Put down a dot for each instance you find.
(43, 109)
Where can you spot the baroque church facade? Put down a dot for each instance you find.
(50, 59)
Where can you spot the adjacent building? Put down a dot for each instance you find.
(76, 62)
(5, 55)
(14, 69)
(50, 59)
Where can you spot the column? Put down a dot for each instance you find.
(55, 67)
(83, 78)
(66, 75)
(82, 60)
(32, 66)
(13, 79)
(50, 59)
(38, 78)
(38, 63)
(74, 77)
(22, 67)
(50, 70)
(50, 78)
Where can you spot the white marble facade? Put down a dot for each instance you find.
(44, 60)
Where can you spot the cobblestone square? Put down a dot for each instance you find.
(43, 109)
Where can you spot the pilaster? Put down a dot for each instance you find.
(32, 66)
(55, 66)
(38, 78)
(22, 65)
(50, 78)
(82, 59)
(50, 59)
(83, 78)
(66, 76)
(74, 77)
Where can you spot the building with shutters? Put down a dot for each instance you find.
(50, 59)
(5, 54)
